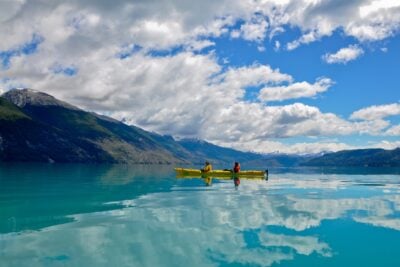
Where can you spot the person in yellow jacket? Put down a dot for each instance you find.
(207, 167)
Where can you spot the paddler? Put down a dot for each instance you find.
(207, 167)
(236, 170)
(236, 167)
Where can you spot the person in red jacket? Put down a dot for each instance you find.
(236, 167)
(236, 170)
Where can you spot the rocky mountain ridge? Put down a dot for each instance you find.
(37, 127)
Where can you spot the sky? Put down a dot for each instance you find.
(268, 76)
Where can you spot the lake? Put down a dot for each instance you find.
(119, 215)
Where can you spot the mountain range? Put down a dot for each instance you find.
(360, 157)
(36, 127)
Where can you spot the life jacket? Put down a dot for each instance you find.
(207, 168)
(236, 169)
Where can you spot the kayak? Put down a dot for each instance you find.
(182, 172)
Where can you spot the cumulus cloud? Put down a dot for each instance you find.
(157, 24)
(236, 80)
(253, 30)
(258, 122)
(189, 95)
(295, 90)
(383, 17)
(304, 39)
(154, 25)
(376, 112)
(109, 58)
(344, 55)
(302, 148)
(395, 131)
(376, 6)
(366, 20)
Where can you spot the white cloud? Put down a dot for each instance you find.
(395, 131)
(277, 46)
(243, 122)
(376, 112)
(344, 55)
(188, 95)
(295, 90)
(235, 34)
(253, 30)
(307, 38)
(237, 79)
(369, 32)
(377, 6)
(160, 25)
(386, 144)
(154, 25)
(263, 146)
(257, 125)
(10, 8)
(321, 18)
(199, 45)
(185, 93)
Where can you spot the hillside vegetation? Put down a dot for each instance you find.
(361, 157)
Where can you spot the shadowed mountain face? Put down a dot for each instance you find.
(23, 138)
(37, 127)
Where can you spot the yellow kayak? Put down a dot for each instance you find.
(182, 173)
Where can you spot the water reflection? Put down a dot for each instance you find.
(261, 224)
(34, 196)
(236, 182)
(126, 174)
(208, 180)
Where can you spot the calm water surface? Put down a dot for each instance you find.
(101, 215)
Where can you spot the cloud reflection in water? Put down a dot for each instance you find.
(190, 226)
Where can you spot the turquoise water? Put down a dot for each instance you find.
(101, 215)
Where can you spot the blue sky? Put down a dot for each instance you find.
(291, 76)
(373, 79)
(374, 76)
